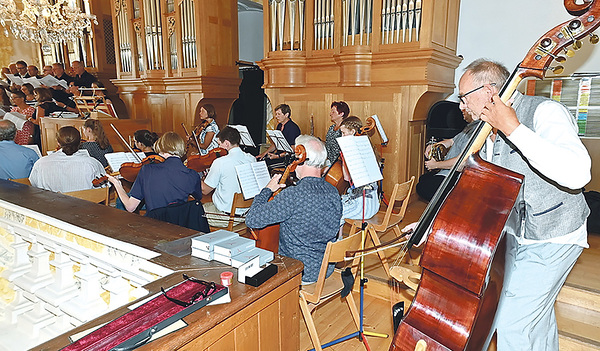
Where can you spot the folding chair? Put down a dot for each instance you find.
(385, 220)
(324, 289)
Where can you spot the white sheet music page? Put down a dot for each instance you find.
(253, 178)
(116, 159)
(279, 141)
(384, 138)
(244, 134)
(360, 159)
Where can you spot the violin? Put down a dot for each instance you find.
(268, 237)
(99, 181)
(130, 170)
(200, 163)
(335, 173)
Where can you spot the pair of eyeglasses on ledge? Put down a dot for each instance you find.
(209, 289)
(461, 97)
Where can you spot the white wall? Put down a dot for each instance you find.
(505, 30)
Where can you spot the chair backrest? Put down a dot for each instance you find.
(95, 195)
(401, 193)
(21, 180)
(238, 202)
(336, 252)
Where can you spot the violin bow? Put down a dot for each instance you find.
(187, 135)
(126, 144)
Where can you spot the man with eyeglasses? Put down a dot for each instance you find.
(537, 137)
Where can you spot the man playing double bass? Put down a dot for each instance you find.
(536, 137)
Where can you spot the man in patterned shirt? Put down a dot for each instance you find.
(308, 213)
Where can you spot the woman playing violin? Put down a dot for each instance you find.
(207, 130)
(144, 141)
(162, 184)
(96, 143)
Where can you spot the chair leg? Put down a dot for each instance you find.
(382, 256)
(310, 323)
(353, 310)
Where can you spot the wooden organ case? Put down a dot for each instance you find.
(172, 54)
(393, 58)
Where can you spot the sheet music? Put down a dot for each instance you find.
(384, 138)
(360, 159)
(51, 81)
(279, 141)
(245, 135)
(116, 159)
(14, 79)
(17, 118)
(35, 148)
(33, 81)
(253, 178)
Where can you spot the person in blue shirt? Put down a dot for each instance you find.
(289, 129)
(162, 184)
(16, 161)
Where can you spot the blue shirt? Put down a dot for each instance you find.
(169, 182)
(290, 131)
(16, 161)
(309, 217)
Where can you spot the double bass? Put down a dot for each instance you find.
(463, 259)
(268, 238)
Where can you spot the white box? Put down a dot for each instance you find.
(234, 246)
(222, 259)
(265, 256)
(207, 241)
(205, 255)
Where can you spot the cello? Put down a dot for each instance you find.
(268, 238)
(463, 260)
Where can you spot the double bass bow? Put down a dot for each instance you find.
(268, 238)
(463, 259)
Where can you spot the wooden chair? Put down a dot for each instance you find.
(324, 289)
(96, 195)
(238, 202)
(22, 181)
(385, 220)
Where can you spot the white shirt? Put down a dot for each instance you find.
(62, 173)
(223, 178)
(555, 150)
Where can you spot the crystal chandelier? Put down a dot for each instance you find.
(44, 21)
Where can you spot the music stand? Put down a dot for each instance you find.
(279, 141)
(359, 158)
(246, 138)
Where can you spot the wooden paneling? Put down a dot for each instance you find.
(49, 128)
(398, 82)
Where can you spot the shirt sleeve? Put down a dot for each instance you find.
(554, 148)
(214, 174)
(137, 189)
(264, 212)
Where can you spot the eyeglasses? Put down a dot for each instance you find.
(209, 289)
(462, 97)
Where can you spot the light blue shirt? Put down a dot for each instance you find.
(16, 161)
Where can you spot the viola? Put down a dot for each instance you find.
(463, 259)
(200, 163)
(268, 237)
(130, 170)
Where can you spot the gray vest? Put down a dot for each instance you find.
(549, 210)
